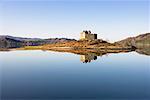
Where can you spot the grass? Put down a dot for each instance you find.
(31, 48)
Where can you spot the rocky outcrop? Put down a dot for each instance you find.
(97, 44)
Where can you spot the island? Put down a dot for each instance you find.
(88, 43)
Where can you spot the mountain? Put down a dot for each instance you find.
(15, 42)
(140, 41)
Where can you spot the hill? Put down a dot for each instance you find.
(140, 41)
(15, 42)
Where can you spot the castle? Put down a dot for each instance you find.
(87, 35)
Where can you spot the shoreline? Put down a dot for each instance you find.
(81, 51)
(67, 48)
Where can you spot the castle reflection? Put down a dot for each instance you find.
(88, 57)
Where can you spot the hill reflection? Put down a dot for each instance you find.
(89, 55)
(144, 51)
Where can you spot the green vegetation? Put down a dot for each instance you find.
(31, 48)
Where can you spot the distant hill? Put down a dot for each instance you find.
(140, 41)
(14, 42)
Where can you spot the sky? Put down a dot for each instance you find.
(112, 20)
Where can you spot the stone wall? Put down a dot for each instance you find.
(82, 35)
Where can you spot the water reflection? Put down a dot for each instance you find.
(144, 51)
(37, 75)
(88, 57)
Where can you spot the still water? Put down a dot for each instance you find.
(41, 75)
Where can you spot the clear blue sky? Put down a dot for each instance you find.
(110, 19)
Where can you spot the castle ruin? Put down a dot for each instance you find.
(87, 35)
